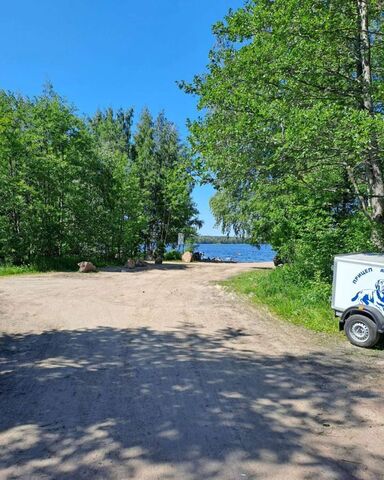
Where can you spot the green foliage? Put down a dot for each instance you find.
(290, 295)
(48, 180)
(121, 206)
(172, 255)
(74, 188)
(164, 171)
(190, 246)
(204, 239)
(6, 270)
(292, 133)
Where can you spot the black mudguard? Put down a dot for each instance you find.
(370, 312)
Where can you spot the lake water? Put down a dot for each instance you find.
(240, 252)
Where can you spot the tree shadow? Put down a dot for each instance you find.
(148, 268)
(261, 267)
(119, 403)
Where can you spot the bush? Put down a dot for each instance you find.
(172, 255)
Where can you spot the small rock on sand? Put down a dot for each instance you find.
(86, 267)
(187, 257)
(131, 263)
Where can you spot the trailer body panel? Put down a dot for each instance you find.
(358, 279)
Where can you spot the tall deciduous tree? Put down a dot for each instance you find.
(293, 135)
(76, 187)
(121, 207)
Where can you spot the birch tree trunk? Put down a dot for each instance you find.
(374, 170)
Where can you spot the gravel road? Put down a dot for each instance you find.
(163, 375)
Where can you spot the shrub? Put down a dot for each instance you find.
(172, 255)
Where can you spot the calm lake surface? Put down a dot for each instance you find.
(240, 252)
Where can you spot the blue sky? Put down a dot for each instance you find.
(118, 53)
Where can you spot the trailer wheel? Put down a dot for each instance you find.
(361, 331)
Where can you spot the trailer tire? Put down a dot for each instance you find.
(361, 331)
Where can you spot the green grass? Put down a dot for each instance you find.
(6, 270)
(47, 264)
(297, 301)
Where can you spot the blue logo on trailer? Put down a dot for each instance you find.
(373, 297)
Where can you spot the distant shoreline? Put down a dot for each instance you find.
(239, 253)
(224, 240)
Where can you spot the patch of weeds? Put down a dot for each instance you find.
(298, 301)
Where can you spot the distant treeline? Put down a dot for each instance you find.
(220, 239)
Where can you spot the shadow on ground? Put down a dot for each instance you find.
(149, 267)
(105, 403)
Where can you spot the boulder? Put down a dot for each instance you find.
(158, 260)
(187, 257)
(141, 263)
(86, 267)
(131, 263)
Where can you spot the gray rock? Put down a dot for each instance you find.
(141, 263)
(131, 263)
(86, 267)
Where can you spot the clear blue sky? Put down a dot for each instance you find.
(118, 53)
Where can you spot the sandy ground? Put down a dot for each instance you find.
(162, 375)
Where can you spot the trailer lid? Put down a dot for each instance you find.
(370, 258)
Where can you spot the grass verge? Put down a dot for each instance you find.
(301, 302)
(6, 270)
(48, 264)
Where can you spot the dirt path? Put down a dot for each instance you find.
(161, 375)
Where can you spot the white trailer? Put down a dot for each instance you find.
(358, 297)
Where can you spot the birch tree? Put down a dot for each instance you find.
(292, 130)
